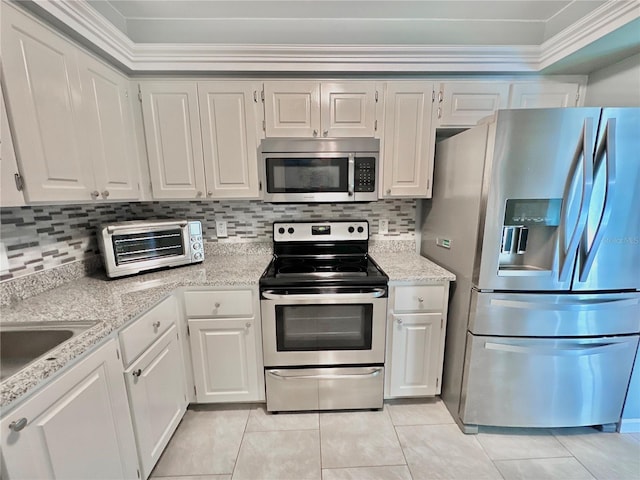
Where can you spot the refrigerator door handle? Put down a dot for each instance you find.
(606, 149)
(568, 255)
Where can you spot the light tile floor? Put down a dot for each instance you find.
(407, 440)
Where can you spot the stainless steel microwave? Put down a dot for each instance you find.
(300, 170)
(136, 246)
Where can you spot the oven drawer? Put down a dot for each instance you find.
(419, 298)
(219, 303)
(324, 388)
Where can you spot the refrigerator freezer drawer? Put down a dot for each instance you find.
(554, 315)
(537, 382)
(327, 388)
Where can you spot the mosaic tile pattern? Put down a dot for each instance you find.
(39, 238)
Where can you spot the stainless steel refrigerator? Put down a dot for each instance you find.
(537, 212)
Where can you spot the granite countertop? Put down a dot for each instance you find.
(112, 303)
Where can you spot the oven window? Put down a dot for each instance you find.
(323, 327)
(307, 175)
(137, 247)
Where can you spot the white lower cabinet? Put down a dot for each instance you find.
(226, 345)
(415, 340)
(76, 427)
(155, 380)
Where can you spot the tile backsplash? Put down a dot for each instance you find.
(38, 238)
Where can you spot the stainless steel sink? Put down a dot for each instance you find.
(25, 342)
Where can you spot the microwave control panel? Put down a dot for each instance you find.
(365, 174)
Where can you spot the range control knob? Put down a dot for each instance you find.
(351, 229)
(290, 230)
(281, 230)
(360, 229)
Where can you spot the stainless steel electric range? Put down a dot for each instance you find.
(324, 308)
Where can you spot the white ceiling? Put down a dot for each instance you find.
(344, 22)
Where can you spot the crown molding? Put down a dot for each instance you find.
(79, 16)
(602, 21)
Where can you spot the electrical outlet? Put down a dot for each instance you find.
(383, 226)
(221, 228)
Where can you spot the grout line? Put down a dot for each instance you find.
(244, 431)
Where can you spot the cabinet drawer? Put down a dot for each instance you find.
(219, 303)
(419, 298)
(135, 338)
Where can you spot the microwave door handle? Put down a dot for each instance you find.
(569, 254)
(606, 149)
(352, 174)
(375, 293)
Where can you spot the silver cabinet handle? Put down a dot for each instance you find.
(209, 194)
(399, 321)
(95, 194)
(217, 304)
(248, 324)
(18, 425)
(199, 194)
(315, 133)
(325, 133)
(420, 299)
(105, 194)
(137, 373)
(388, 191)
(156, 324)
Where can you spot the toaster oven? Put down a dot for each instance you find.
(135, 246)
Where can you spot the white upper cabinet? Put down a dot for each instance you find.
(70, 114)
(544, 95)
(10, 196)
(319, 109)
(44, 97)
(229, 120)
(407, 147)
(464, 103)
(174, 143)
(112, 147)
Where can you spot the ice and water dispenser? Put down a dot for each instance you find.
(529, 236)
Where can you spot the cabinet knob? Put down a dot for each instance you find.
(105, 194)
(209, 194)
(137, 373)
(199, 194)
(399, 321)
(156, 324)
(18, 425)
(217, 304)
(325, 133)
(420, 299)
(95, 194)
(388, 191)
(248, 324)
(315, 133)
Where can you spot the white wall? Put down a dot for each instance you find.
(617, 85)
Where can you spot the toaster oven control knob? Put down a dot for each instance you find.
(197, 256)
(281, 230)
(351, 229)
(196, 246)
(291, 230)
(360, 229)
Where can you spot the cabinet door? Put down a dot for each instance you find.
(407, 146)
(10, 196)
(292, 109)
(543, 95)
(110, 130)
(44, 96)
(464, 103)
(229, 120)
(157, 396)
(226, 364)
(174, 143)
(416, 360)
(348, 109)
(77, 427)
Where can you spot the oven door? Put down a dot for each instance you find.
(309, 177)
(323, 326)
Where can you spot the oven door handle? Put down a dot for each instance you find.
(325, 376)
(375, 293)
